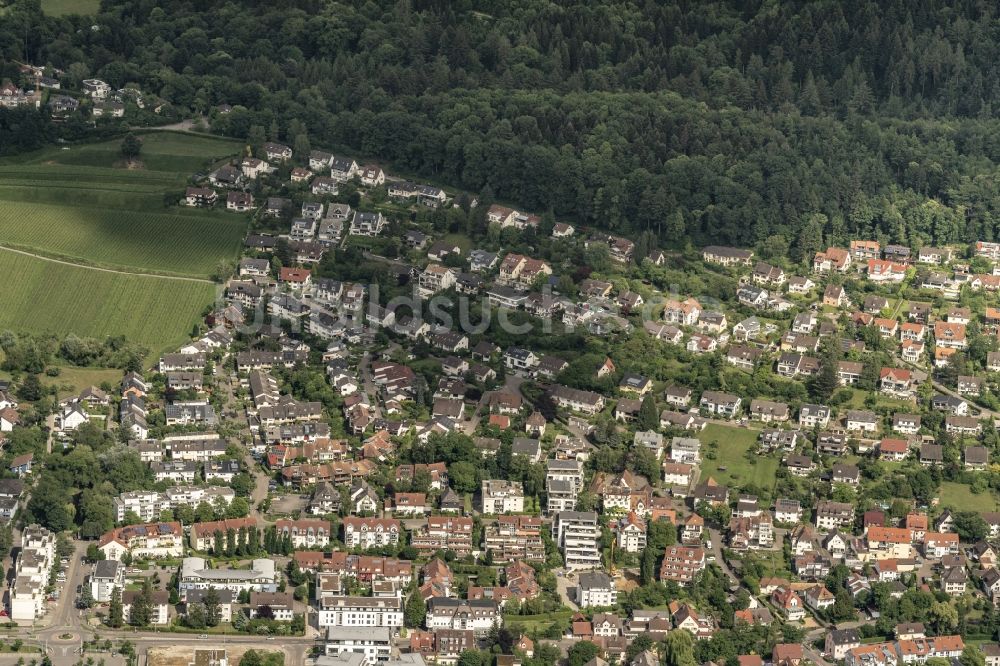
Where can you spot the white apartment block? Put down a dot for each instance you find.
(107, 575)
(342, 611)
(375, 643)
(578, 534)
(370, 532)
(34, 563)
(260, 577)
(478, 615)
(501, 496)
(149, 504)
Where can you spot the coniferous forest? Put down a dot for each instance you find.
(780, 124)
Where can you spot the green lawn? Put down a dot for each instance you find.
(460, 240)
(960, 496)
(46, 297)
(72, 380)
(731, 466)
(534, 623)
(772, 561)
(64, 7)
(858, 397)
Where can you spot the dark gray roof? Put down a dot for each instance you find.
(106, 568)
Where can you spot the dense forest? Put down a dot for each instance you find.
(775, 124)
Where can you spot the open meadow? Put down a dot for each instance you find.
(959, 497)
(129, 240)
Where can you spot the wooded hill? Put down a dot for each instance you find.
(784, 125)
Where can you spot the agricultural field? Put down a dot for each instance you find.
(179, 155)
(65, 7)
(189, 245)
(79, 203)
(731, 465)
(49, 297)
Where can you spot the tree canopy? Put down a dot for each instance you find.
(794, 123)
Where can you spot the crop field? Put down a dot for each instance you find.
(47, 297)
(64, 7)
(162, 152)
(79, 203)
(176, 244)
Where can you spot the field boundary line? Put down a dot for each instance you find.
(7, 248)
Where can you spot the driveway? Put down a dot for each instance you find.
(566, 589)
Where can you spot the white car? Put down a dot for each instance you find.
(708, 544)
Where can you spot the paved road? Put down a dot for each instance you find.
(811, 653)
(259, 493)
(368, 385)
(716, 538)
(50, 423)
(185, 126)
(565, 585)
(941, 388)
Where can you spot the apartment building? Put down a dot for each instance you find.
(681, 563)
(149, 504)
(262, 576)
(31, 573)
(107, 575)
(502, 496)
(346, 611)
(578, 533)
(370, 532)
(477, 615)
(305, 533)
(148, 540)
(563, 481)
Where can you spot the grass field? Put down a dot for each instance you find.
(734, 442)
(44, 297)
(63, 7)
(164, 152)
(166, 156)
(536, 622)
(461, 240)
(72, 380)
(960, 496)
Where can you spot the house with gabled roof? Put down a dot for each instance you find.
(788, 602)
(896, 382)
(834, 259)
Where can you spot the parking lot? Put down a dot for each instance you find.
(288, 504)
